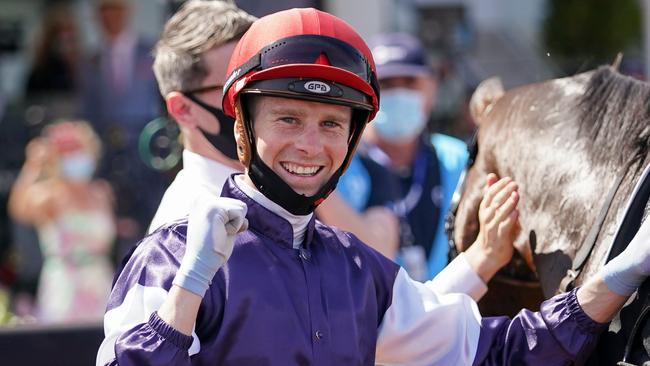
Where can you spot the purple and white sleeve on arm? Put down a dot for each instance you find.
(559, 334)
(423, 327)
(458, 277)
(131, 325)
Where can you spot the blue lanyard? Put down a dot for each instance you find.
(405, 205)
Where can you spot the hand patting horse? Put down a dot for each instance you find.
(576, 146)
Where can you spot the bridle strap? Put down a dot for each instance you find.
(450, 219)
(580, 259)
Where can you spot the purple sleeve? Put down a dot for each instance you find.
(559, 334)
(153, 343)
(134, 333)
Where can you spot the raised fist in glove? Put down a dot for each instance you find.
(212, 225)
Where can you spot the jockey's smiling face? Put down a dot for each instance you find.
(303, 142)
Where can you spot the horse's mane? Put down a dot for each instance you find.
(615, 115)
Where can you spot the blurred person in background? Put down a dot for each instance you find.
(191, 60)
(365, 209)
(73, 215)
(119, 89)
(51, 93)
(54, 71)
(427, 165)
(20, 257)
(52, 84)
(119, 97)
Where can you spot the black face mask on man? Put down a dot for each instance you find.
(223, 141)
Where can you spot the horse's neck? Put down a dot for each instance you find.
(619, 208)
(561, 197)
(564, 212)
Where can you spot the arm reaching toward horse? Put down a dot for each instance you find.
(590, 307)
(567, 326)
(598, 301)
(600, 298)
(560, 333)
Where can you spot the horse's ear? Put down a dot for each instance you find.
(617, 61)
(487, 93)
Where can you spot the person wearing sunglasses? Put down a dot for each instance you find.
(190, 65)
(251, 278)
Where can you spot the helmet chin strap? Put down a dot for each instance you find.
(277, 190)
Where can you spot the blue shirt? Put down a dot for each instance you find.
(422, 196)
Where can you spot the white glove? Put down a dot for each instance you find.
(625, 273)
(212, 225)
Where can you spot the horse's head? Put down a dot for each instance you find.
(576, 146)
(532, 134)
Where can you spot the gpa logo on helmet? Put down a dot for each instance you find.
(317, 87)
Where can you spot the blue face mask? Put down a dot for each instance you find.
(400, 115)
(77, 167)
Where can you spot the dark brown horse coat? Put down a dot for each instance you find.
(565, 142)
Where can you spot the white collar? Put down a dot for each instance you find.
(208, 172)
(298, 222)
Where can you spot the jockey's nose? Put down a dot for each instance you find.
(310, 141)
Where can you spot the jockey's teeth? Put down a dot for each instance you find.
(300, 170)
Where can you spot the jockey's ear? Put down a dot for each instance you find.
(487, 93)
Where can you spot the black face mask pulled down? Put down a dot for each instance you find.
(224, 141)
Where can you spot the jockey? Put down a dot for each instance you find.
(252, 278)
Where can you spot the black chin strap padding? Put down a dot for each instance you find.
(277, 190)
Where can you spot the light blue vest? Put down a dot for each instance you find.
(354, 187)
(452, 158)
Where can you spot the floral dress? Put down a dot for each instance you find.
(77, 272)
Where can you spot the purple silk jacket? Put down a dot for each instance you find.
(334, 302)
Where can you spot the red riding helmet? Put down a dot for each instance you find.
(303, 54)
(305, 44)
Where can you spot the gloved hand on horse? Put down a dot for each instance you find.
(212, 225)
(625, 273)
